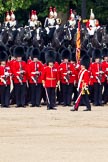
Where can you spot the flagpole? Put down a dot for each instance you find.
(78, 41)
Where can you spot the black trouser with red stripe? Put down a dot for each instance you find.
(36, 91)
(98, 94)
(67, 93)
(105, 93)
(84, 98)
(20, 91)
(4, 95)
(50, 96)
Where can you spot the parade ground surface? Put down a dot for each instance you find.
(40, 135)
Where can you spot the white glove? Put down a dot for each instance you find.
(6, 74)
(47, 29)
(3, 81)
(37, 72)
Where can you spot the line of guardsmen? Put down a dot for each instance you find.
(44, 78)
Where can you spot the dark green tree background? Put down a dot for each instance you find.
(22, 8)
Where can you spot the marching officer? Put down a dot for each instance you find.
(50, 80)
(92, 24)
(35, 70)
(98, 75)
(5, 77)
(67, 73)
(83, 83)
(20, 76)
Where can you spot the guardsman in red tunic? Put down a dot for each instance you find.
(105, 70)
(67, 73)
(98, 75)
(5, 75)
(83, 83)
(20, 76)
(35, 70)
(50, 79)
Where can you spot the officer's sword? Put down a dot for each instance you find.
(47, 97)
(77, 100)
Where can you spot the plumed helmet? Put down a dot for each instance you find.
(3, 56)
(92, 14)
(50, 56)
(85, 61)
(35, 53)
(51, 11)
(12, 15)
(32, 14)
(96, 54)
(54, 12)
(19, 51)
(35, 15)
(7, 16)
(72, 14)
(105, 52)
(65, 54)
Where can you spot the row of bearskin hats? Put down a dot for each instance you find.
(10, 15)
(49, 55)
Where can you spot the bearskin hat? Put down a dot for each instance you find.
(42, 57)
(50, 56)
(105, 52)
(29, 51)
(18, 51)
(73, 56)
(90, 52)
(85, 60)
(2, 48)
(96, 54)
(3, 56)
(61, 49)
(82, 53)
(35, 53)
(47, 49)
(11, 50)
(65, 54)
